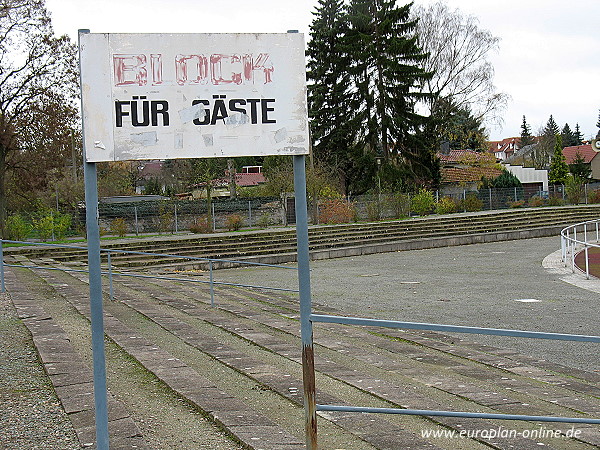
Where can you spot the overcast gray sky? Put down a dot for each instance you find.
(548, 62)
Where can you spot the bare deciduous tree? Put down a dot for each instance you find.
(458, 58)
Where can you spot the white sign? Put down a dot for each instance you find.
(164, 96)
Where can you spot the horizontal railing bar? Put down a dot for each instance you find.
(43, 245)
(154, 277)
(451, 328)
(202, 281)
(26, 266)
(131, 252)
(427, 412)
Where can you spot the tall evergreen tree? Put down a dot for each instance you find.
(579, 168)
(551, 127)
(386, 70)
(578, 135)
(559, 170)
(568, 137)
(547, 141)
(333, 129)
(598, 125)
(526, 137)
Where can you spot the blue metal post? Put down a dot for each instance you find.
(110, 277)
(95, 280)
(212, 285)
(95, 277)
(2, 286)
(308, 363)
(176, 224)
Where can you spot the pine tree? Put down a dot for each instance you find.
(568, 137)
(578, 135)
(546, 143)
(598, 125)
(579, 168)
(526, 137)
(333, 130)
(551, 127)
(559, 170)
(385, 68)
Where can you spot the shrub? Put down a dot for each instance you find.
(374, 210)
(423, 202)
(52, 223)
(516, 204)
(471, 203)
(62, 223)
(555, 201)
(200, 225)
(536, 201)
(234, 222)
(44, 225)
(446, 205)
(336, 211)
(118, 227)
(264, 221)
(594, 196)
(165, 222)
(17, 228)
(574, 189)
(399, 203)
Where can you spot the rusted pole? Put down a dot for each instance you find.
(308, 362)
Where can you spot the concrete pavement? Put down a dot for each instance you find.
(499, 285)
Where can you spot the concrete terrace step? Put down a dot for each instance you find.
(282, 241)
(400, 369)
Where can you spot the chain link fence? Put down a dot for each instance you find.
(198, 216)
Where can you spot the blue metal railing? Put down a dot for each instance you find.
(111, 273)
(567, 243)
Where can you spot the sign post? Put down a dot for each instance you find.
(168, 96)
(95, 281)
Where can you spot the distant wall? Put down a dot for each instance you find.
(527, 175)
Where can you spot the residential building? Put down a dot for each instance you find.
(589, 155)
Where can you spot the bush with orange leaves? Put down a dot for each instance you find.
(336, 210)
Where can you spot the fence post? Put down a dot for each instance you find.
(212, 285)
(490, 208)
(213, 218)
(573, 247)
(587, 263)
(52, 217)
(464, 200)
(516, 199)
(249, 213)
(585, 190)
(137, 232)
(176, 224)
(110, 278)
(2, 286)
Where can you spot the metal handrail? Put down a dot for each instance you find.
(570, 243)
(360, 321)
(110, 272)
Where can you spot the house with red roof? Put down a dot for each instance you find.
(589, 155)
(465, 168)
(505, 148)
(249, 176)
